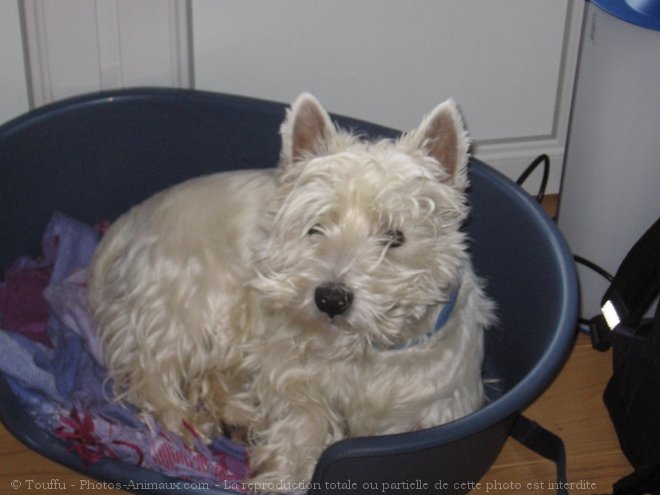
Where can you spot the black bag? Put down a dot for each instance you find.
(632, 396)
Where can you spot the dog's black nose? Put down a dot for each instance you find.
(333, 298)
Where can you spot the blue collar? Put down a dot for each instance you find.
(442, 320)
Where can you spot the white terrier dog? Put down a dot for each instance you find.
(297, 306)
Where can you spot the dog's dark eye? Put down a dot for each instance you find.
(394, 238)
(316, 230)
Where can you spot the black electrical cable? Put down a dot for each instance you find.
(545, 161)
(599, 270)
(541, 159)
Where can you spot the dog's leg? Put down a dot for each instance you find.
(289, 448)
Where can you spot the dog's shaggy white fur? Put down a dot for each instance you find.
(295, 307)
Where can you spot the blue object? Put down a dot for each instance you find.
(93, 157)
(644, 13)
(444, 315)
(440, 322)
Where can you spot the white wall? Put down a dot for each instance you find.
(80, 46)
(509, 63)
(13, 87)
(390, 61)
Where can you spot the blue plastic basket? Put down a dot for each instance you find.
(94, 156)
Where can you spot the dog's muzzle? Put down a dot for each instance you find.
(333, 298)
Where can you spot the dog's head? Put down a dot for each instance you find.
(364, 238)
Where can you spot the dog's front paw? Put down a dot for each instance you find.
(286, 450)
(272, 469)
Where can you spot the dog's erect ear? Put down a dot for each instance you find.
(443, 136)
(306, 129)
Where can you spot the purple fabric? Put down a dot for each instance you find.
(64, 387)
(22, 307)
(70, 244)
(20, 358)
(68, 307)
